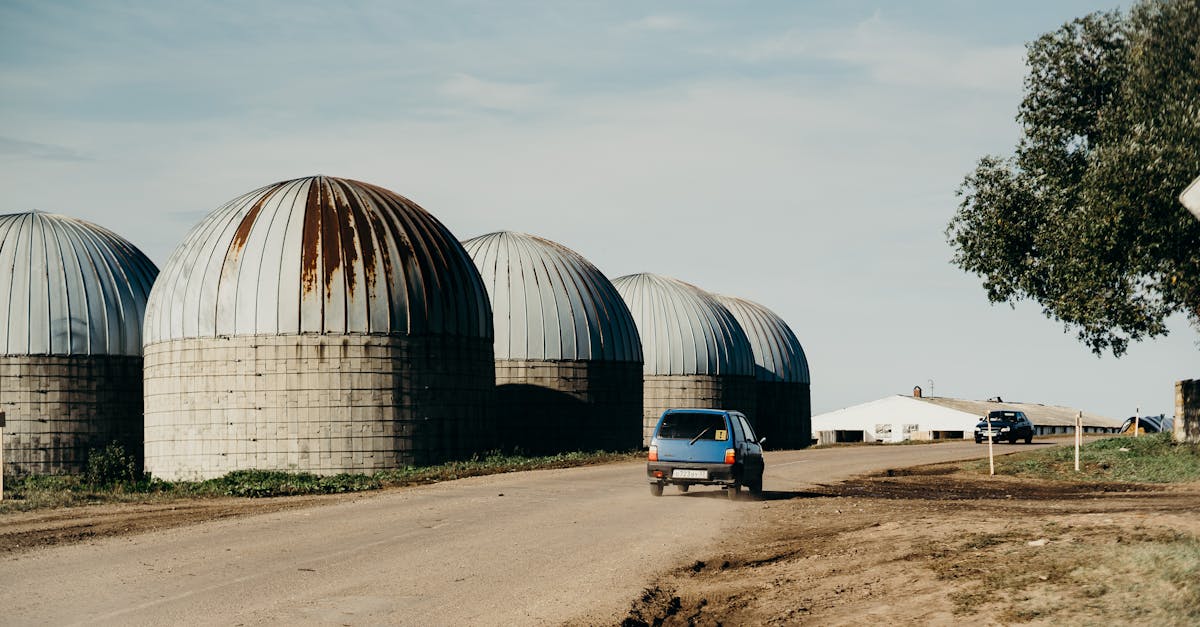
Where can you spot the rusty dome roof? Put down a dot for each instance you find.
(70, 287)
(778, 355)
(318, 255)
(550, 303)
(684, 329)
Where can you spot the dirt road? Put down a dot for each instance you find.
(523, 548)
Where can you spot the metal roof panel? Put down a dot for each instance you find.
(778, 355)
(70, 287)
(684, 329)
(550, 303)
(318, 255)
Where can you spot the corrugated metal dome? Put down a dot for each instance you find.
(684, 329)
(549, 303)
(318, 255)
(70, 287)
(778, 355)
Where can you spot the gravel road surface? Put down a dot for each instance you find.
(537, 547)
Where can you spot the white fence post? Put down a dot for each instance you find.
(990, 437)
(1137, 421)
(1079, 437)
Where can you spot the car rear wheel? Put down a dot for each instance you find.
(683, 487)
(755, 487)
(656, 489)
(1029, 439)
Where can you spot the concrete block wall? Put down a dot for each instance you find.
(61, 407)
(663, 392)
(784, 414)
(547, 407)
(1187, 410)
(316, 403)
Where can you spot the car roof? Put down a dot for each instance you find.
(676, 410)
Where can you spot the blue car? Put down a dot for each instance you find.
(705, 447)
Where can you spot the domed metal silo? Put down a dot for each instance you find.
(696, 354)
(781, 375)
(72, 297)
(568, 357)
(318, 324)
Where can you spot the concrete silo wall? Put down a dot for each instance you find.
(784, 414)
(58, 408)
(315, 403)
(699, 391)
(546, 407)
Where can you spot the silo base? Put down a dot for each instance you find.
(784, 414)
(314, 403)
(61, 407)
(547, 407)
(664, 392)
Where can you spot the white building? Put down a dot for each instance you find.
(898, 418)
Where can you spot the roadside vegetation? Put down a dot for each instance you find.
(112, 476)
(1152, 458)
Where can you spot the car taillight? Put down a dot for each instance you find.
(653, 454)
(728, 456)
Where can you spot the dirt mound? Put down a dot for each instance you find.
(935, 547)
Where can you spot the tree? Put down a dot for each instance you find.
(1084, 217)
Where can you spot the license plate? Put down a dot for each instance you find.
(688, 473)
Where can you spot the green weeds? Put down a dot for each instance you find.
(1153, 458)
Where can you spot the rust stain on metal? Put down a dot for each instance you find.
(310, 245)
(331, 253)
(353, 222)
(244, 227)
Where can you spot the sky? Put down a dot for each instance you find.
(802, 155)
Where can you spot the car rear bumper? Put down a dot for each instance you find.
(715, 474)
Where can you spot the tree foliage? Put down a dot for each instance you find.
(1084, 217)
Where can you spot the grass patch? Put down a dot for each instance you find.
(1149, 580)
(1153, 458)
(113, 481)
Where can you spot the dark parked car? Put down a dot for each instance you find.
(1005, 425)
(705, 447)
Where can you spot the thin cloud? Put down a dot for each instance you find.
(894, 55)
(492, 94)
(660, 23)
(16, 148)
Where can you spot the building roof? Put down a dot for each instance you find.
(946, 414)
(1041, 415)
(319, 255)
(684, 329)
(70, 287)
(778, 355)
(549, 303)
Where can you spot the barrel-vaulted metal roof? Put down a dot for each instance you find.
(549, 303)
(70, 287)
(318, 255)
(684, 329)
(778, 355)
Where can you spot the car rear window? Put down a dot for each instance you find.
(685, 426)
